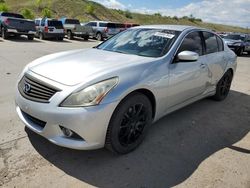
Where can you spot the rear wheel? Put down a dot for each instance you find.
(69, 35)
(129, 124)
(41, 36)
(99, 36)
(223, 86)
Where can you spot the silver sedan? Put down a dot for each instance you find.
(109, 96)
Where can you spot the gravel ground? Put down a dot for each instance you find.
(206, 144)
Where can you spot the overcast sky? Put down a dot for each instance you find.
(230, 12)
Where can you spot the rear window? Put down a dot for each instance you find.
(72, 21)
(116, 25)
(12, 15)
(55, 23)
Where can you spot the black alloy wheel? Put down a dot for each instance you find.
(129, 124)
(223, 86)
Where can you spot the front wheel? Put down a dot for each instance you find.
(223, 86)
(240, 52)
(69, 35)
(129, 124)
(4, 33)
(30, 37)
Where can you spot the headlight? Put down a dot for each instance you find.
(91, 95)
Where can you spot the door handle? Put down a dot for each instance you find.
(203, 66)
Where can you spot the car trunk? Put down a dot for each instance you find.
(21, 25)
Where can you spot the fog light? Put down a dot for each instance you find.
(70, 134)
(67, 132)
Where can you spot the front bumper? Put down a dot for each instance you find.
(90, 123)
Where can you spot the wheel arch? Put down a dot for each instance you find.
(148, 94)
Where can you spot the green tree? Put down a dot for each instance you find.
(158, 14)
(128, 14)
(4, 7)
(38, 3)
(27, 13)
(90, 9)
(46, 12)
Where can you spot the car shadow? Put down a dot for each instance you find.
(173, 149)
(22, 39)
(79, 39)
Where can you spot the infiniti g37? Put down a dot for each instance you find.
(108, 96)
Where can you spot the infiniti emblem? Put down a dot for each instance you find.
(26, 88)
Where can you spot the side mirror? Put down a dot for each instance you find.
(187, 56)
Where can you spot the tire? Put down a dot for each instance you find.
(30, 37)
(86, 37)
(99, 36)
(69, 35)
(129, 124)
(60, 39)
(41, 36)
(239, 52)
(4, 34)
(223, 86)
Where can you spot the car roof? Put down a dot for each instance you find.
(169, 27)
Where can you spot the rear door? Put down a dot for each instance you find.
(216, 59)
(188, 79)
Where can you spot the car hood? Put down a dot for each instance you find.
(74, 67)
(231, 41)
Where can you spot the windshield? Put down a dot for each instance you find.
(142, 42)
(235, 37)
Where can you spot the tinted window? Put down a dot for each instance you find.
(72, 21)
(43, 22)
(93, 24)
(55, 23)
(115, 25)
(220, 44)
(6, 14)
(192, 42)
(142, 42)
(37, 22)
(102, 24)
(210, 42)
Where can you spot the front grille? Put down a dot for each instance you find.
(34, 120)
(35, 90)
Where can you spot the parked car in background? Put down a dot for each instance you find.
(129, 25)
(238, 42)
(73, 28)
(109, 95)
(47, 28)
(12, 24)
(103, 30)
